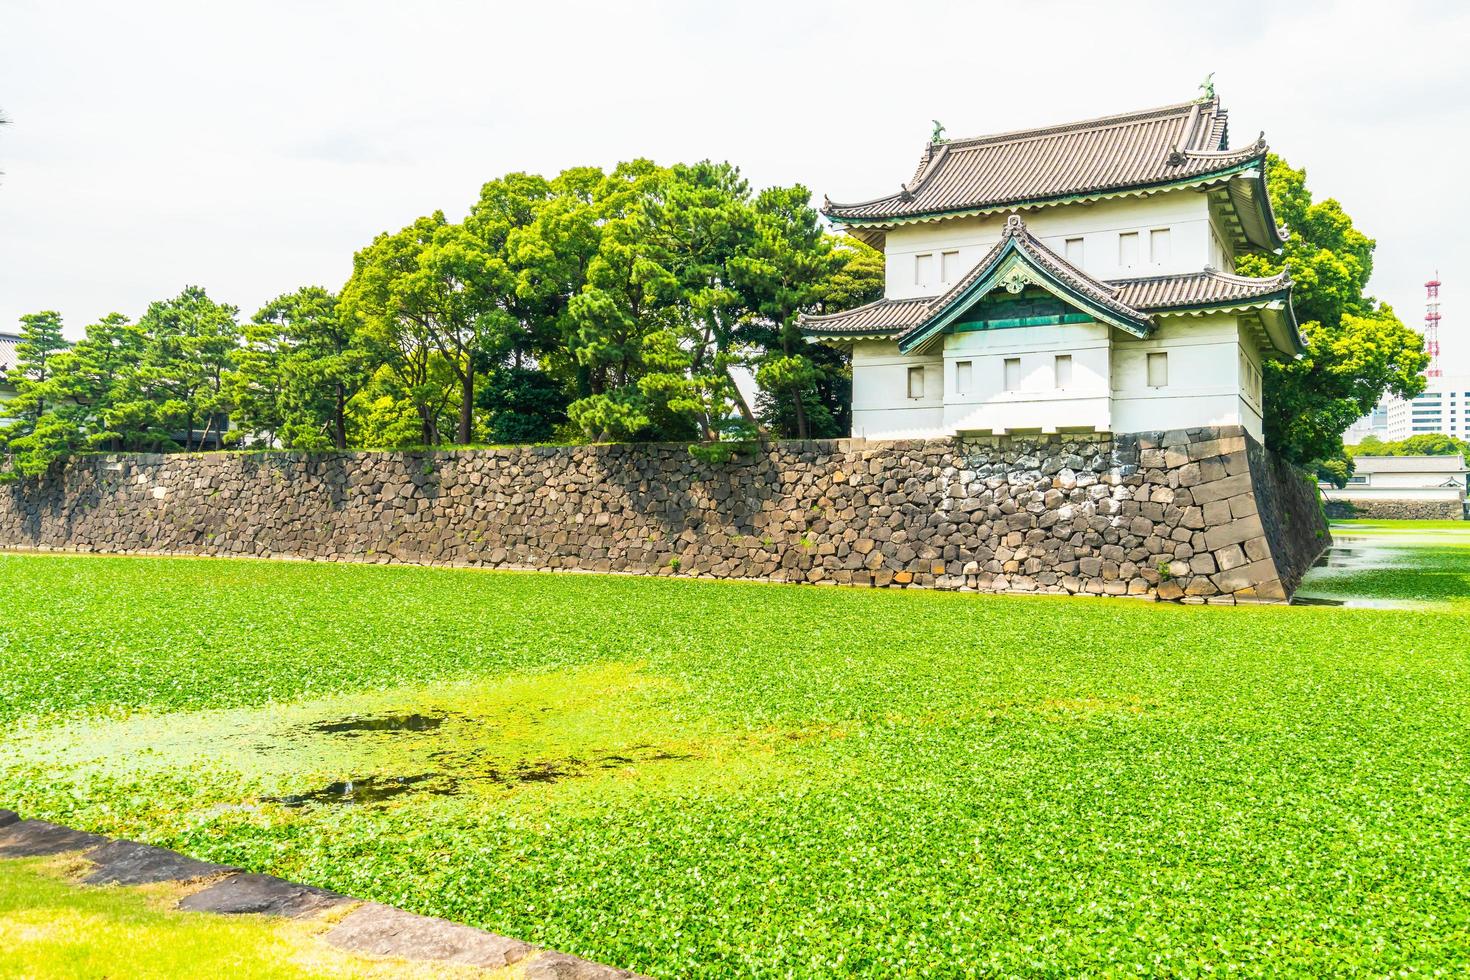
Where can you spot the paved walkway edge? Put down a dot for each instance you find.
(369, 928)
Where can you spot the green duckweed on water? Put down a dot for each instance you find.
(695, 778)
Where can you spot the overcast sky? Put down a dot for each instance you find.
(251, 147)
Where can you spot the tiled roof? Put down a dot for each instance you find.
(878, 318)
(1207, 288)
(8, 343)
(1134, 150)
(1132, 301)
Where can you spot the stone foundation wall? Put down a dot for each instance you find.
(1194, 515)
(1397, 510)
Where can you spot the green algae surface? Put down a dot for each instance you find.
(694, 778)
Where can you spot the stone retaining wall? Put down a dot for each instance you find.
(1194, 515)
(1397, 510)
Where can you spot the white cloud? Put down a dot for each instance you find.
(251, 148)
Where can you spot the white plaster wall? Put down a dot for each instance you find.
(1184, 212)
(1204, 384)
(1037, 404)
(1109, 391)
(881, 407)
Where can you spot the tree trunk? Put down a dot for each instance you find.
(467, 407)
(800, 406)
(740, 402)
(339, 420)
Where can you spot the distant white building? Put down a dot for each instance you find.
(1375, 423)
(1069, 279)
(8, 358)
(1443, 407)
(1403, 487)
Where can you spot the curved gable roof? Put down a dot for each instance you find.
(1132, 305)
(1151, 148)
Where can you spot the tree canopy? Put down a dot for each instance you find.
(1357, 348)
(606, 305)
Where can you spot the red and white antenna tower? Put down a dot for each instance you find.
(1431, 326)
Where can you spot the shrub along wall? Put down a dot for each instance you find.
(1193, 515)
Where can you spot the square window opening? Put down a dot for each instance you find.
(1062, 370)
(1158, 246)
(1128, 249)
(949, 267)
(1158, 370)
(916, 382)
(924, 269)
(964, 374)
(1011, 371)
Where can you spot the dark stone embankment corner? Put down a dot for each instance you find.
(367, 928)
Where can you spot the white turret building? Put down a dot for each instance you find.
(1069, 279)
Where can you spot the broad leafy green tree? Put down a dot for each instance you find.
(1357, 349)
(1424, 444)
(422, 300)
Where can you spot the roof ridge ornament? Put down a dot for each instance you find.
(938, 136)
(1208, 87)
(1015, 227)
(1176, 156)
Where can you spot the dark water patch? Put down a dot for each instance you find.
(408, 722)
(1361, 557)
(539, 772)
(369, 789)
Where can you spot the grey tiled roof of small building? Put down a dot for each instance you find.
(1112, 153)
(8, 343)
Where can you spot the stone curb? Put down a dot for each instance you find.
(370, 928)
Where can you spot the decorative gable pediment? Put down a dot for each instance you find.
(1017, 262)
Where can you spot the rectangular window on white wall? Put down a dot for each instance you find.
(964, 377)
(949, 267)
(1062, 370)
(1158, 246)
(1128, 249)
(1158, 370)
(1011, 373)
(1074, 252)
(916, 382)
(924, 269)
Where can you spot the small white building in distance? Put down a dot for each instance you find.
(8, 344)
(1402, 487)
(1068, 279)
